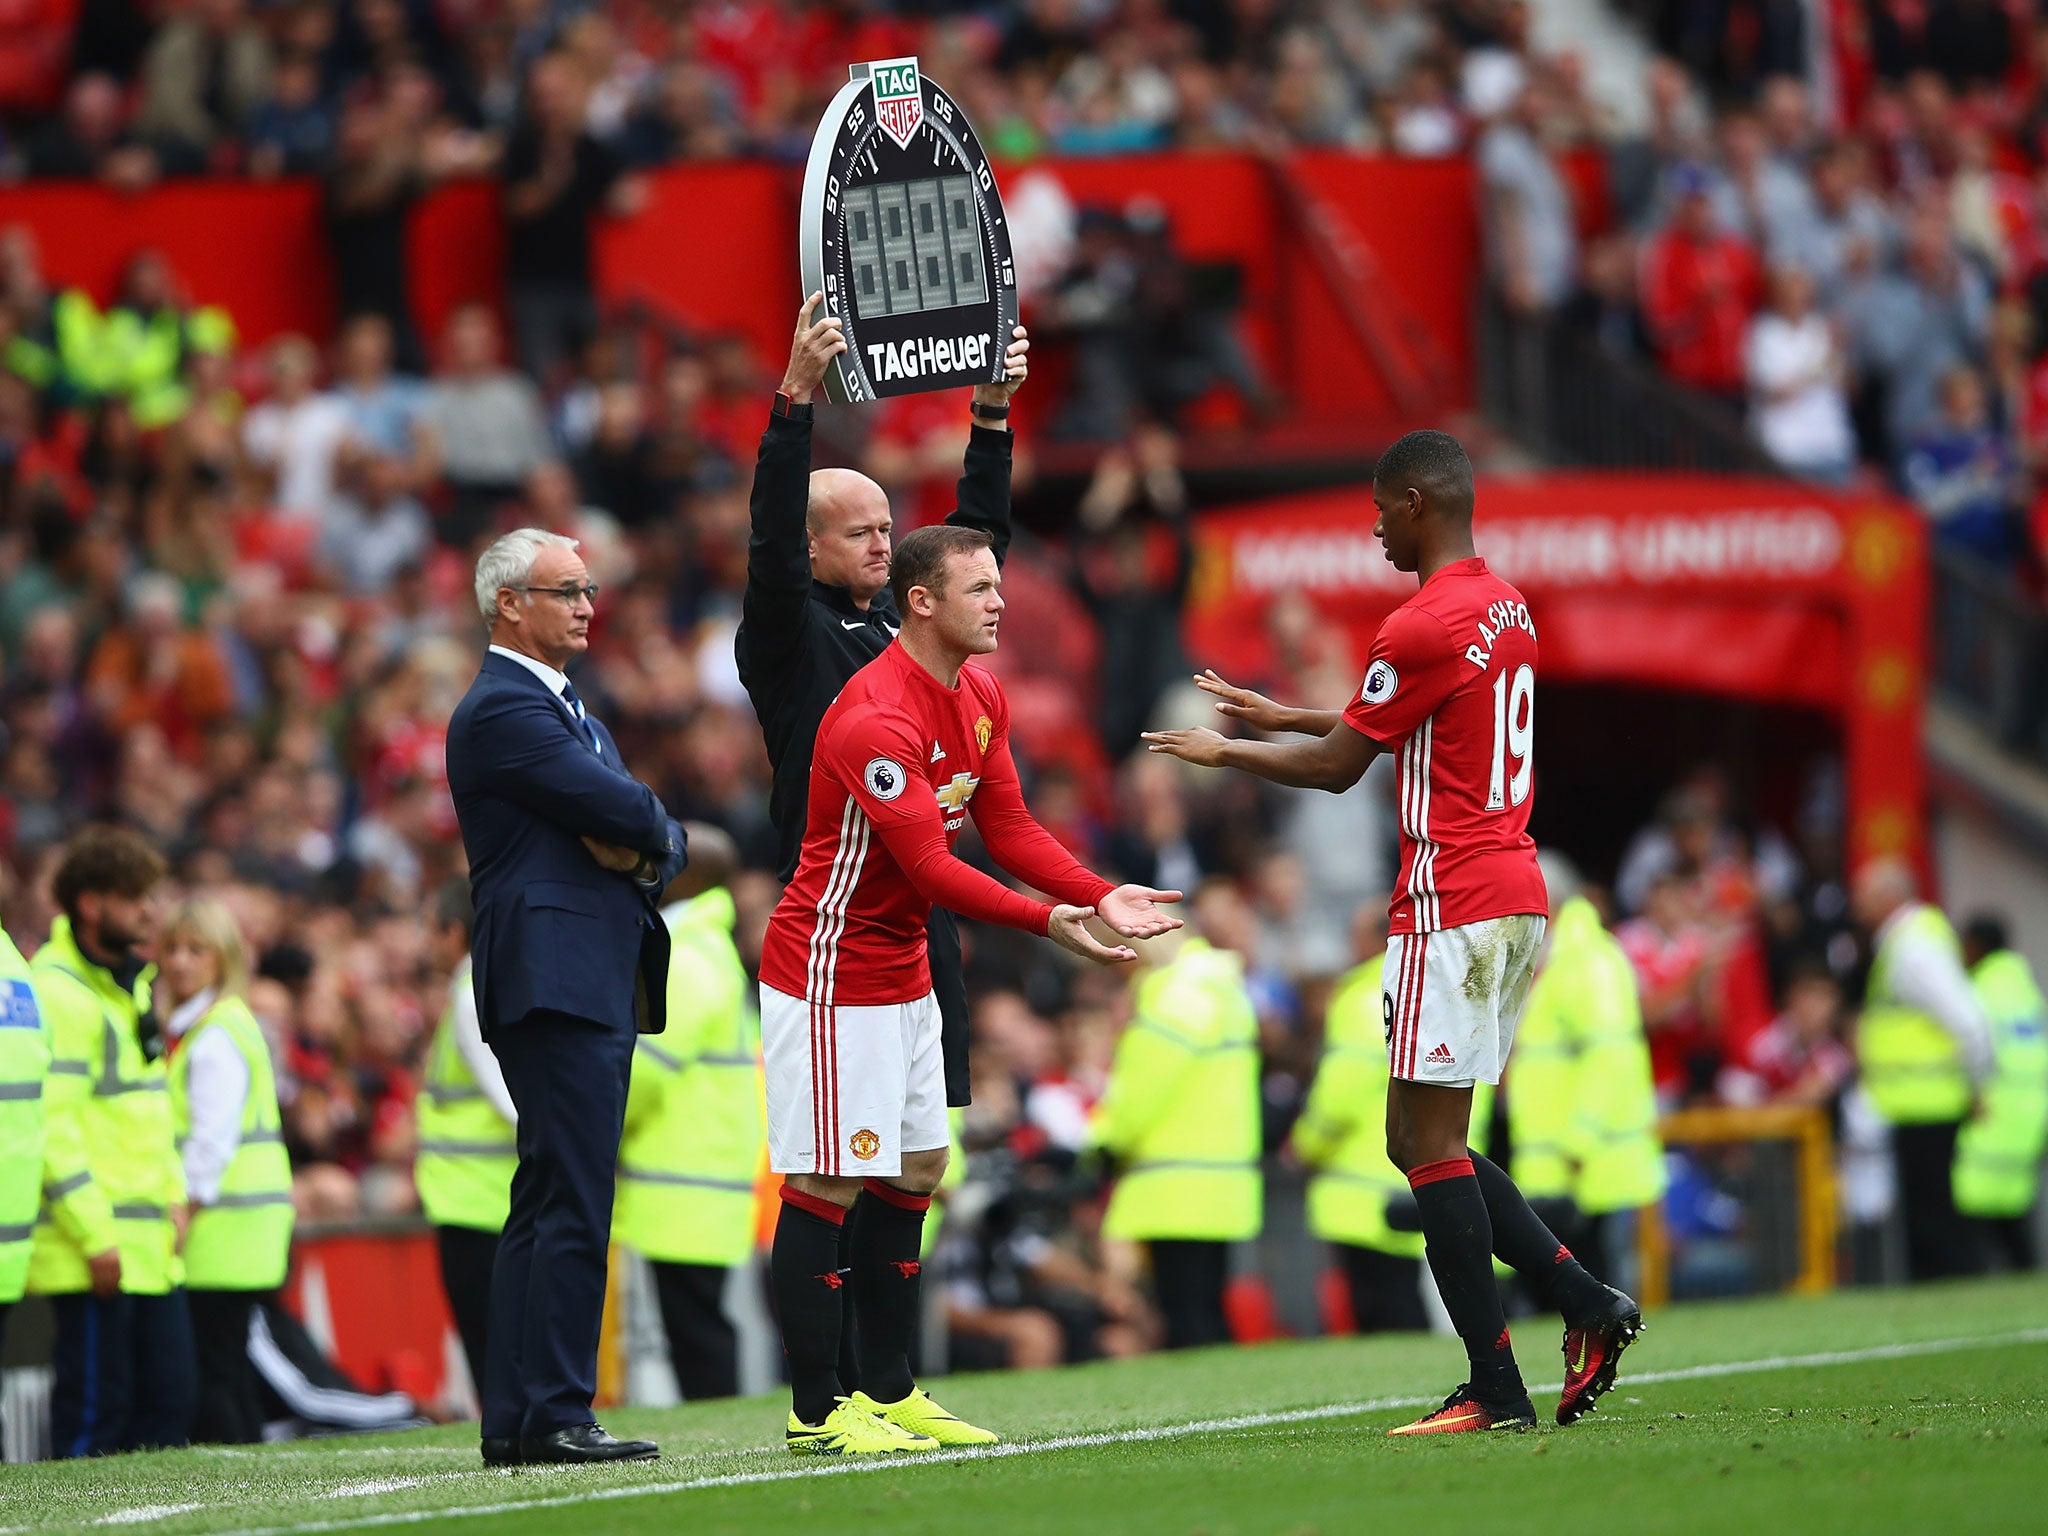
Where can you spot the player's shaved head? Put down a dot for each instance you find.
(1434, 465)
(847, 518)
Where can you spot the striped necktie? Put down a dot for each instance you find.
(580, 716)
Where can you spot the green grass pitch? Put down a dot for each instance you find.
(1866, 1412)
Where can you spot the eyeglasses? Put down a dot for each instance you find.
(568, 595)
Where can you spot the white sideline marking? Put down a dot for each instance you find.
(144, 1512)
(369, 1485)
(1055, 1443)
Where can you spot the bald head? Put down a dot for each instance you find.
(847, 518)
(1880, 888)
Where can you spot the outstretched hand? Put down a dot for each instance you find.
(1069, 929)
(811, 352)
(1254, 709)
(1196, 744)
(1133, 911)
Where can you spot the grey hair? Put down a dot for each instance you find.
(509, 563)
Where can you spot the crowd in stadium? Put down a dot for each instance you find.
(1862, 275)
(234, 605)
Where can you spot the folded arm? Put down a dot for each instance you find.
(538, 764)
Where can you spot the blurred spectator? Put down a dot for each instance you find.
(156, 668)
(1844, 215)
(1531, 245)
(489, 422)
(1700, 286)
(387, 412)
(1964, 474)
(557, 175)
(92, 139)
(1799, 406)
(1134, 581)
(390, 146)
(295, 436)
(375, 528)
(1800, 1057)
(690, 115)
(1605, 307)
(291, 132)
(206, 71)
(1910, 328)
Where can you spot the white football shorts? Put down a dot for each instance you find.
(1451, 1000)
(850, 1090)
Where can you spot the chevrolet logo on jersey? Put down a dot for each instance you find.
(955, 794)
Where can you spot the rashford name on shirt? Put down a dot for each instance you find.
(1501, 616)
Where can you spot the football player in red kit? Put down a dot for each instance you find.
(914, 744)
(1451, 687)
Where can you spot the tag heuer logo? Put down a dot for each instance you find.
(899, 99)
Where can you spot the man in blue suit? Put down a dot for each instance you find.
(567, 856)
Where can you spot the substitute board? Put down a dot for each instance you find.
(902, 230)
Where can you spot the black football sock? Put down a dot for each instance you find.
(849, 1327)
(1527, 1245)
(1459, 1247)
(888, 1279)
(804, 1266)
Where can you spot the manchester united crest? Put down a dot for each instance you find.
(899, 100)
(865, 1144)
(984, 728)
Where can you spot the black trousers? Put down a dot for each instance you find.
(1188, 1278)
(1386, 1290)
(1940, 1240)
(2009, 1236)
(124, 1374)
(468, 1256)
(230, 1406)
(567, 1077)
(702, 1344)
(949, 987)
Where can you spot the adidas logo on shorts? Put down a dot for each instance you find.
(1441, 1056)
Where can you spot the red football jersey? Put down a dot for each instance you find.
(901, 762)
(1452, 683)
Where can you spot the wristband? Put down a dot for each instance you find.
(791, 410)
(992, 412)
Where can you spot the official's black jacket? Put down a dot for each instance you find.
(800, 642)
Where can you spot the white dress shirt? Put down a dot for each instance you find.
(217, 1087)
(469, 1042)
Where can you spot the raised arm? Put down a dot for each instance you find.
(778, 549)
(984, 490)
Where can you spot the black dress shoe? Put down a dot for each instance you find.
(585, 1443)
(504, 1451)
